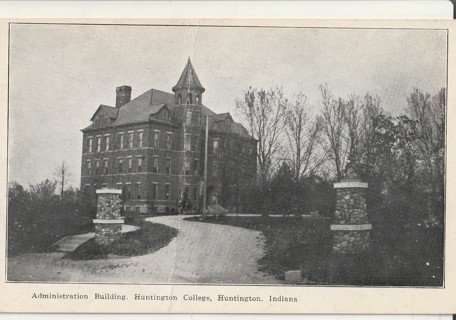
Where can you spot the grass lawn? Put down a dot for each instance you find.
(150, 237)
(291, 243)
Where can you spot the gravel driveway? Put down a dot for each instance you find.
(201, 253)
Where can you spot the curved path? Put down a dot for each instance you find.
(201, 253)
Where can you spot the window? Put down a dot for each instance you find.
(168, 166)
(187, 142)
(128, 191)
(141, 134)
(130, 165)
(215, 169)
(167, 191)
(157, 139)
(140, 161)
(89, 168)
(189, 98)
(130, 140)
(119, 185)
(188, 118)
(90, 145)
(138, 190)
(195, 143)
(105, 166)
(195, 192)
(196, 167)
(99, 144)
(120, 166)
(155, 165)
(169, 141)
(215, 145)
(197, 99)
(121, 138)
(154, 191)
(179, 99)
(97, 166)
(187, 167)
(107, 143)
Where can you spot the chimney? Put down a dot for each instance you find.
(123, 95)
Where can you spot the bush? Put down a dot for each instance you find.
(150, 237)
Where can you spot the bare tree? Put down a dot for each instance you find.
(43, 190)
(264, 113)
(303, 134)
(332, 123)
(62, 173)
(347, 127)
(430, 114)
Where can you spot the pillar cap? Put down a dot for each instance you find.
(351, 227)
(350, 184)
(102, 191)
(109, 221)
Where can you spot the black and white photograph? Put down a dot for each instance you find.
(189, 154)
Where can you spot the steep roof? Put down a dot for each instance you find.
(223, 122)
(137, 110)
(140, 108)
(188, 78)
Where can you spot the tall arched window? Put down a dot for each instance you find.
(189, 98)
(197, 99)
(179, 99)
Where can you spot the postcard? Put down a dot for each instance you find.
(228, 166)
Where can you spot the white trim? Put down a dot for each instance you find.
(118, 183)
(129, 157)
(128, 183)
(351, 227)
(350, 184)
(132, 131)
(140, 130)
(109, 221)
(103, 191)
(156, 130)
(107, 134)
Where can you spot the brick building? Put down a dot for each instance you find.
(152, 148)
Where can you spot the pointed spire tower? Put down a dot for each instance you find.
(188, 90)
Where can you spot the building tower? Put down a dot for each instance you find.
(188, 105)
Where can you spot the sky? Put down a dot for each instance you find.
(60, 74)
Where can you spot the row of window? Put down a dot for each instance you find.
(102, 166)
(131, 191)
(127, 141)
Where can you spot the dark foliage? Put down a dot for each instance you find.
(39, 218)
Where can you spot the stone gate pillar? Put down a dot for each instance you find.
(351, 229)
(108, 223)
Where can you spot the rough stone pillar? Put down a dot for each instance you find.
(108, 223)
(351, 229)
